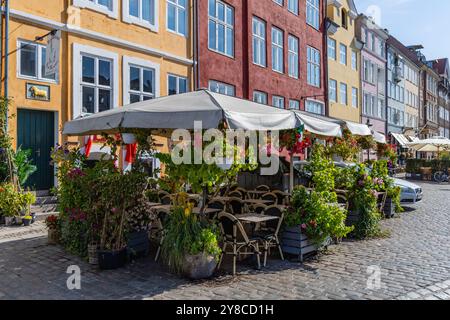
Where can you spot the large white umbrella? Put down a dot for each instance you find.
(436, 144)
(181, 111)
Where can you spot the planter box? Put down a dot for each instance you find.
(109, 260)
(53, 236)
(138, 244)
(389, 208)
(295, 242)
(200, 266)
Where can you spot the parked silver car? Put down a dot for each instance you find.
(411, 192)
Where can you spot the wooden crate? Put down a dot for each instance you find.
(295, 242)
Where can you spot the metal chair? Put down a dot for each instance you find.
(268, 233)
(234, 235)
(161, 221)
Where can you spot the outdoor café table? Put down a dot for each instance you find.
(255, 218)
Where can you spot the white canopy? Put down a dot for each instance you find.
(379, 137)
(435, 144)
(402, 139)
(319, 126)
(180, 112)
(358, 129)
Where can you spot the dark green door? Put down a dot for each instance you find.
(36, 131)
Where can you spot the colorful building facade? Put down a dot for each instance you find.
(344, 61)
(112, 53)
(373, 72)
(443, 69)
(268, 51)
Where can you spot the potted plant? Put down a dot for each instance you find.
(52, 223)
(26, 220)
(11, 203)
(190, 246)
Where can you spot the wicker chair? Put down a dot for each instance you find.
(161, 221)
(234, 236)
(263, 187)
(268, 234)
(270, 196)
(281, 197)
(236, 194)
(236, 206)
(216, 204)
(166, 199)
(162, 194)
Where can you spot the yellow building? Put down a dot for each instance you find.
(344, 52)
(112, 53)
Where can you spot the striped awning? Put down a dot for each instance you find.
(402, 139)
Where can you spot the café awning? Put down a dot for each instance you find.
(181, 111)
(319, 126)
(401, 139)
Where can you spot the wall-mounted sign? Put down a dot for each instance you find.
(52, 54)
(37, 92)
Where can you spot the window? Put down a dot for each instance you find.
(354, 60)
(141, 80)
(294, 104)
(314, 107)
(259, 42)
(279, 2)
(343, 54)
(344, 18)
(278, 102)
(293, 56)
(260, 97)
(108, 7)
(176, 84)
(343, 93)
(95, 85)
(355, 97)
(141, 12)
(313, 70)
(313, 13)
(293, 6)
(332, 90)
(176, 16)
(331, 48)
(222, 88)
(277, 50)
(221, 27)
(31, 61)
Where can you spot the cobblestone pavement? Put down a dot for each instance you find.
(414, 263)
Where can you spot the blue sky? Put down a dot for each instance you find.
(425, 22)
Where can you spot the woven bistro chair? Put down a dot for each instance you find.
(166, 199)
(263, 187)
(243, 191)
(216, 204)
(162, 216)
(236, 194)
(162, 194)
(268, 233)
(281, 197)
(258, 208)
(270, 196)
(236, 206)
(234, 236)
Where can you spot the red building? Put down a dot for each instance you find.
(262, 50)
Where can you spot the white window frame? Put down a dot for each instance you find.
(313, 6)
(343, 54)
(355, 97)
(312, 66)
(276, 99)
(279, 2)
(225, 85)
(112, 13)
(78, 50)
(39, 76)
(178, 8)
(128, 62)
(293, 102)
(354, 60)
(330, 89)
(262, 56)
(316, 103)
(277, 46)
(342, 96)
(226, 26)
(294, 10)
(331, 48)
(256, 94)
(139, 21)
(178, 77)
(295, 56)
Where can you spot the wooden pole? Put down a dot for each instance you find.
(291, 172)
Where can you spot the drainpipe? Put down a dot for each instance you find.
(195, 50)
(1, 45)
(6, 55)
(325, 60)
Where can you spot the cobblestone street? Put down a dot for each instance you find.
(414, 263)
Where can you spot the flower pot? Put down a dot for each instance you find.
(200, 266)
(53, 236)
(138, 244)
(33, 217)
(26, 222)
(93, 254)
(2, 220)
(389, 208)
(128, 138)
(112, 259)
(9, 221)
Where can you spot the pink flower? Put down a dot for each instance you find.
(304, 226)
